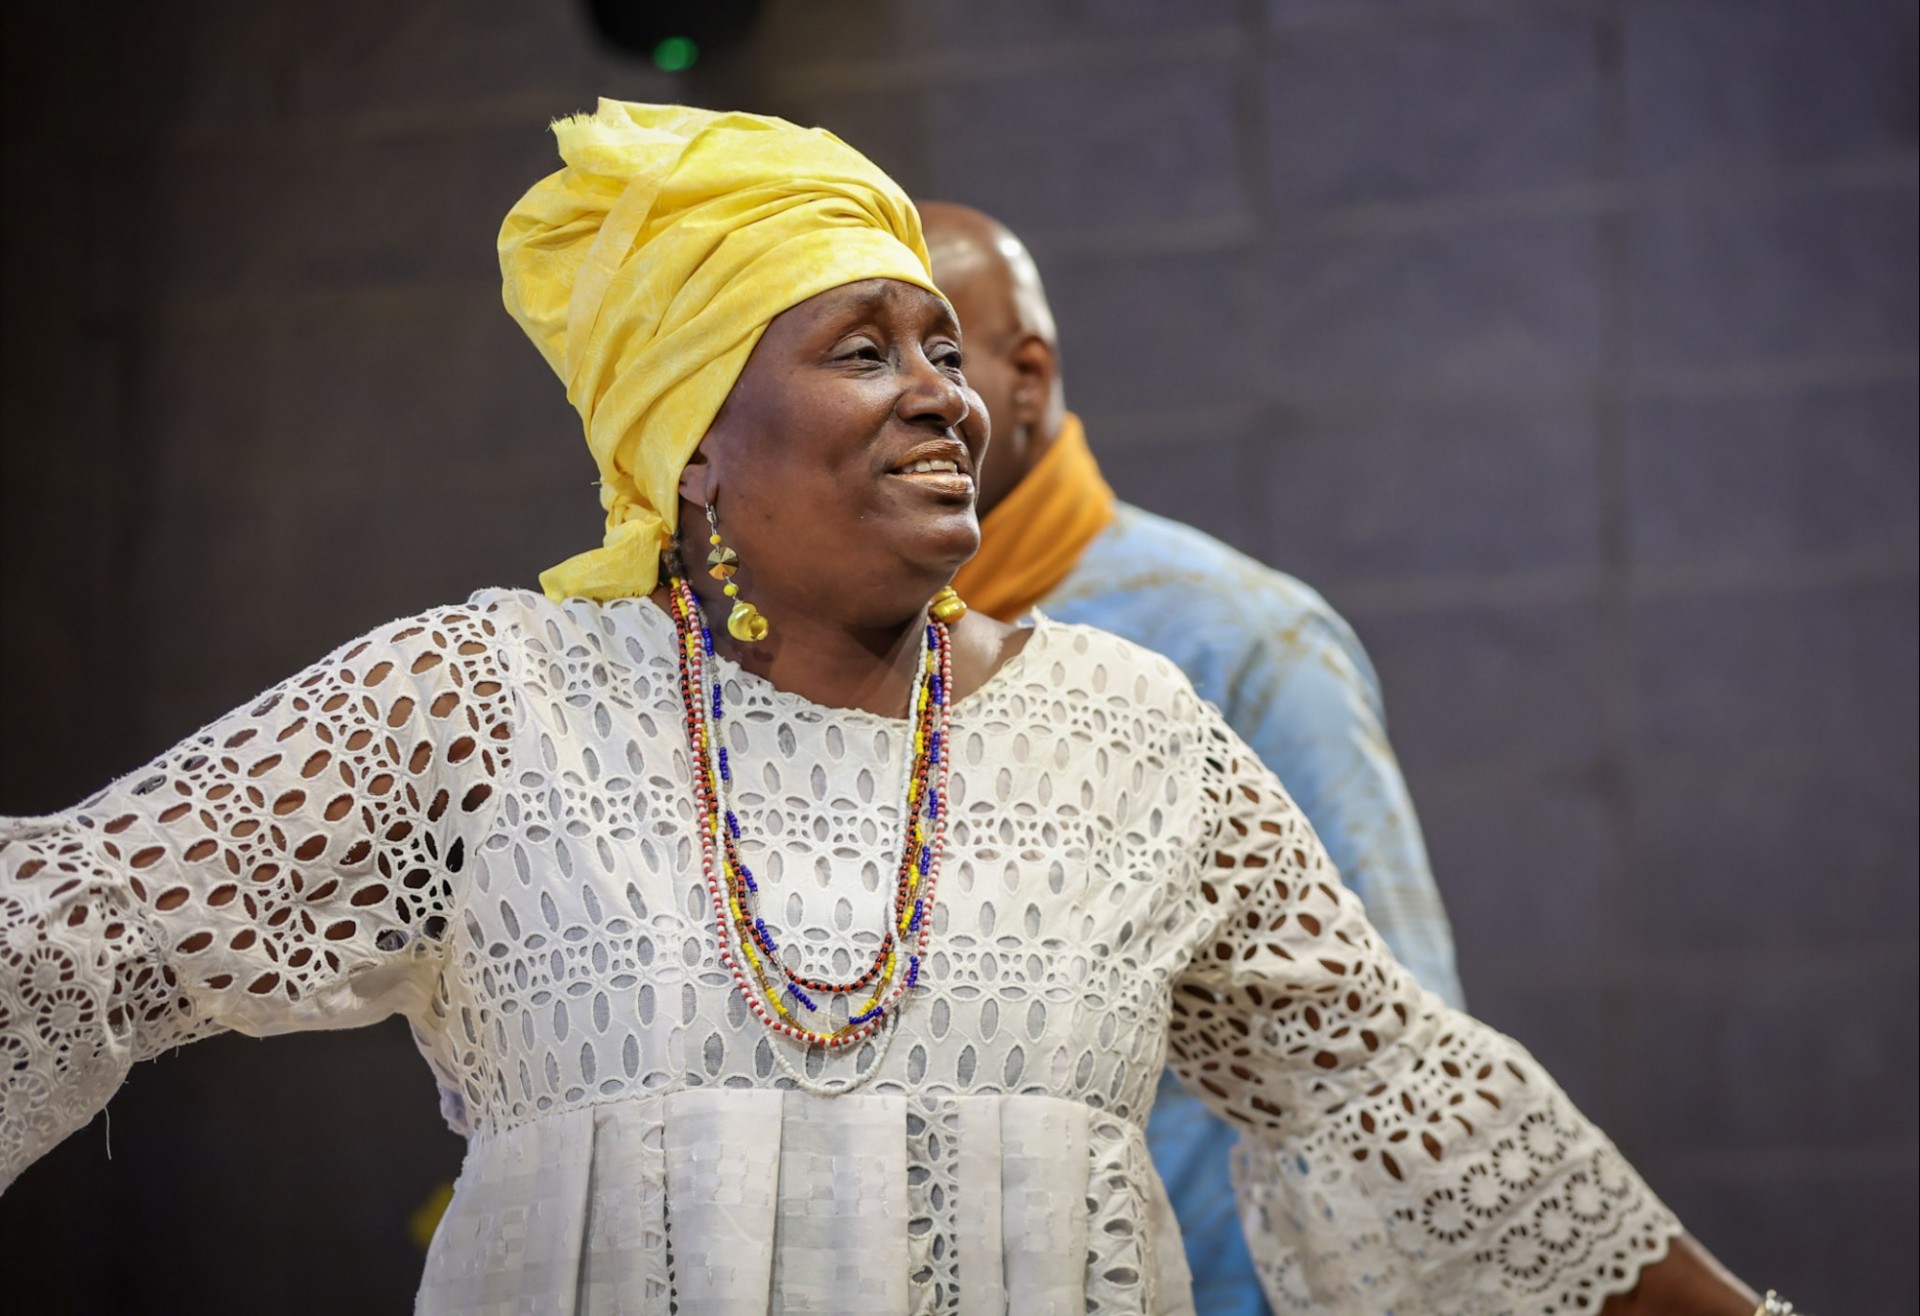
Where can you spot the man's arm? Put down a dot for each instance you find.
(1306, 699)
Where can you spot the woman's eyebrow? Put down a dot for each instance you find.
(863, 305)
(867, 308)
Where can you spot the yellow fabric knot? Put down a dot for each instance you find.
(646, 270)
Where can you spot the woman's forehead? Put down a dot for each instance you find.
(869, 300)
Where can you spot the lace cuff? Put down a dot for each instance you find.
(290, 866)
(1396, 1154)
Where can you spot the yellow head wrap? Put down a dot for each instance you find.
(646, 270)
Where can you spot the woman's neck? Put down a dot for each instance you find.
(820, 660)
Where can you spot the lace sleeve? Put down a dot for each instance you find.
(1395, 1154)
(290, 866)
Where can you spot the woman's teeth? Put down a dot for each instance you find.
(926, 467)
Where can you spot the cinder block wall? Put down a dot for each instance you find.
(1568, 347)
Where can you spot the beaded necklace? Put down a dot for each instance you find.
(748, 946)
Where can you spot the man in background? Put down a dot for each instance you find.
(1286, 671)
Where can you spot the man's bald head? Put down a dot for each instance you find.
(1012, 359)
(988, 265)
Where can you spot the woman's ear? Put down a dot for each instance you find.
(696, 480)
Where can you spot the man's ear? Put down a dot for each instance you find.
(1035, 366)
(696, 480)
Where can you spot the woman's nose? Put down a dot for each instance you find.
(933, 395)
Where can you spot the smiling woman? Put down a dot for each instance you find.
(822, 966)
(851, 431)
(851, 426)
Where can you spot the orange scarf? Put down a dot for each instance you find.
(1034, 537)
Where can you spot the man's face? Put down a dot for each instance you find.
(989, 333)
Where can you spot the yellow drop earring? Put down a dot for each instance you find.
(947, 606)
(744, 623)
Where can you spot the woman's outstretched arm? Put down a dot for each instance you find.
(1396, 1154)
(291, 865)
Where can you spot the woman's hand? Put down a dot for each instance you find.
(1688, 1282)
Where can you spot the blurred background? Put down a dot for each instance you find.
(1570, 348)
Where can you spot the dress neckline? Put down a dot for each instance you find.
(766, 691)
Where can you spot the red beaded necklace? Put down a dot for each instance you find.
(748, 946)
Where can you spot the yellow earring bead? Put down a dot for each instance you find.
(745, 623)
(947, 606)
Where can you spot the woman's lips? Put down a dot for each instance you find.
(936, 475)
(951, 483)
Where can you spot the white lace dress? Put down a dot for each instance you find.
(482, 818)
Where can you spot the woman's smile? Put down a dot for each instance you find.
(942, 467)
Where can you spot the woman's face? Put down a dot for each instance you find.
(842, 466)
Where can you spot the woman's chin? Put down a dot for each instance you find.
(947, 543)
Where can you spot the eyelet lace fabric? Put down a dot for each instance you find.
(482, 819)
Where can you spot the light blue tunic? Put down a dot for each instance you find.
(1293, 681)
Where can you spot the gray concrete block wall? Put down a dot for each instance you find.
(1568, 347)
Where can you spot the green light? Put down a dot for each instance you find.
(675, 55)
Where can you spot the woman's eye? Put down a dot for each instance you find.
(949, 359)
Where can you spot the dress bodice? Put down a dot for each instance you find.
(482, 818)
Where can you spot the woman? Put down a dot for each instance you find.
(782, 936)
